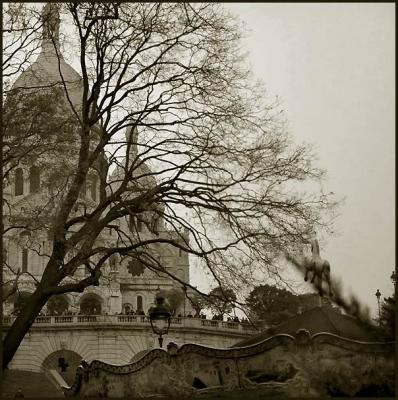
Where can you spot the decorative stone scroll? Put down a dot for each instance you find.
(308, 366)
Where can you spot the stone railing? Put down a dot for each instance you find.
(283, 366)
(133, 320)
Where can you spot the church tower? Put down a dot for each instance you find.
(42, 131)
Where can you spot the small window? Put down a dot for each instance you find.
(25, 260)
(179, 252)
(94, 188)
(34, 179)
(18, 182)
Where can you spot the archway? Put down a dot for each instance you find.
(57, 305)
(91, 304)
(63, 362)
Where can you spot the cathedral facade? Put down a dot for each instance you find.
(107, 321)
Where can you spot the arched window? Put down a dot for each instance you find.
(139, 303)
(24, 260)
(34, 179)
(18, 182)
(94, 187)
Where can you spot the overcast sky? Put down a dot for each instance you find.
(334, 67)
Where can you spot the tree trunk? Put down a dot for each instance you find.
(21, 326)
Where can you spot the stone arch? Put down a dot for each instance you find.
(64, 362)
(18, 182)
(91, 304)
(57, 305)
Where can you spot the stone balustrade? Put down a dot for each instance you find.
(283, 366)
(133, 320)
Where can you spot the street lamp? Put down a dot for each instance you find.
(378, 294)
(160, 317)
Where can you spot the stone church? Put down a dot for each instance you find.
(105, 321)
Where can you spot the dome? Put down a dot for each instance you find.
(50, 68)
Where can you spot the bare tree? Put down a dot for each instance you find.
(21, 30)
(167, 124)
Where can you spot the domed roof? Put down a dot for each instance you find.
(50, 68)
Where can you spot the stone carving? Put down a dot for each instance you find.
(283, 365)
(172, 348)
(319, 268)
(135, 267)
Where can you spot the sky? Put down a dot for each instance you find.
(333, 65)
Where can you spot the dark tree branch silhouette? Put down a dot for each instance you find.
(166, 122)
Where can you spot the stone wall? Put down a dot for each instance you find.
(114, 339)
(286, 366)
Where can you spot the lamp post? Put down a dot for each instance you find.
(160, 317)
(378, 294)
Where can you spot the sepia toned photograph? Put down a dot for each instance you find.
(198, 200)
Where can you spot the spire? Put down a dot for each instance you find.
(51, 23)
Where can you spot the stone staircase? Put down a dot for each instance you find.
(33, 384)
